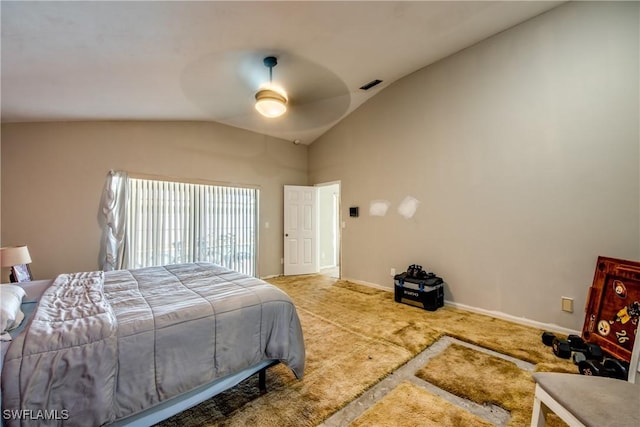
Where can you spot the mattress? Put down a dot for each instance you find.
(106, 346)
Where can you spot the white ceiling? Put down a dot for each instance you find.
(203, 60)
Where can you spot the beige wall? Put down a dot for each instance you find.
(53, 175)
(524, 153)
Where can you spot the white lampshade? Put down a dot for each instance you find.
(14, 255)
(270, 103)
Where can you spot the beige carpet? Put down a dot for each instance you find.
(354, 337)
(408, 405)
(496, 381)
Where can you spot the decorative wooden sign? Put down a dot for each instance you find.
(613, 306)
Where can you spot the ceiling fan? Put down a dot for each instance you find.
(230, 86)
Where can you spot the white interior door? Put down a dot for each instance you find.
(300, 230)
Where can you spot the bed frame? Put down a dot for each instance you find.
(191, 398)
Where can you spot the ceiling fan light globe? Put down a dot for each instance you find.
(270, 103)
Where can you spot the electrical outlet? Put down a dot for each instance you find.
(393, 272)
(567, 304)
(281, 260)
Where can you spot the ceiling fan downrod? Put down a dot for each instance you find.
(270, 62)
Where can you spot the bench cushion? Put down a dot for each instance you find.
(595, 401)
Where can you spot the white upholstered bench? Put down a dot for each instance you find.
(582, 400)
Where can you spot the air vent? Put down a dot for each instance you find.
(371, 84)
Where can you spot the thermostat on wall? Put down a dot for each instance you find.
(353, 211)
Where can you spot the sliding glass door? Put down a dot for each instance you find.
(174, 222)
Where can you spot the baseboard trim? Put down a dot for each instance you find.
(270, 276)
(491, 313)
(515, 319)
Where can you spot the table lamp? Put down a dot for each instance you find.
(18, 258)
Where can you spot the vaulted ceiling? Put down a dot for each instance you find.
(203, 61)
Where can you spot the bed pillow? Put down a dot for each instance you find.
(10, 314)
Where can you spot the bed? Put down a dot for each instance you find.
(133, 347)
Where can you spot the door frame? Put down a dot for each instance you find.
(339, 223)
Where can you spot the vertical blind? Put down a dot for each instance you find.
(175, 222)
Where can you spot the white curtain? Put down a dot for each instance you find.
(113, 215)
(175, 222)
